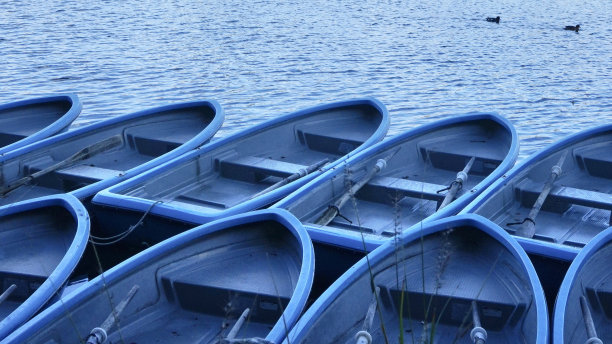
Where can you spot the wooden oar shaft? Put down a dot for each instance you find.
(7, 293)
(588, 318)
(478, 334)
(238, 325)
(369, 319)
(85, 153)
(528, 227)
(333, 211)
(302, 173)
(98, 335)
(364, 336)
(113, 317)
(458, 183)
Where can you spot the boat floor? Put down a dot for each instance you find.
(381, 212)
(380, 219)
(575, 227)
(183, 326)
(415, 332)
(216, 192)
(7, 307)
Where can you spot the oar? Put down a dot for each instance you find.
(85, 153)
(334, 209)
(588, 322)
(364, 336)
(527, 228)
(7, 293)
(301, 173)
(457, 184)
(478, 334)
(238, 325)
(99, 334)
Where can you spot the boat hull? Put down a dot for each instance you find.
(419, 167)
(577, 206)
(41, 242)
(28, 121)
(230, 175)
(434, 276)
(588, 277)
(107, 152)
(193, 287)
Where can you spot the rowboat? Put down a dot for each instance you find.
(27, 121)
(41, 242)
(256, 167)
(583, 306)
(240, 278)
(555, 201)
(91, 158)
(426, 173)
(457, 280)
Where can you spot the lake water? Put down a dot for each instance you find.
(262, 58)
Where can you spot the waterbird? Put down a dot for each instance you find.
(493, 20)
(573, 28)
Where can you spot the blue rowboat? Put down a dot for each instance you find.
(584, 303)
(27, 121)
(89, 159)
(555, 201)
(427, 173)
(41, 242)
(456, 280)
(243, 277)
(256, 167)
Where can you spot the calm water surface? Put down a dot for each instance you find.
(261, 59)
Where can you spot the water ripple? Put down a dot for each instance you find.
(261, 58)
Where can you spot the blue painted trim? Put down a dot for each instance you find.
(532, 245)
(354, 240)
(415, 233)
(59, 125)
(90, 190)
(59, 276)
(113, 196)
(581, 259)
(291, 313)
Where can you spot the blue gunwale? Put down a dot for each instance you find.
(112, 196)
(88, 191)
(414, 233)
(581, 259)
(277, 333)
(65, 267)
(57, 126)
(355, 241)
(530, 245)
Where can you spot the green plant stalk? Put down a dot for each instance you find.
(401, 317)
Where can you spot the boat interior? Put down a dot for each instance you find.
(414, 183)
(236, 172)
(428, 290)
(110, 152)
(32, 243)
(22, 121)
(593, 283)
(196, 292)
(578, 205)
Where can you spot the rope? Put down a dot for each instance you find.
(101, 241)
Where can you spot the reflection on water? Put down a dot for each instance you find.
(262, 58)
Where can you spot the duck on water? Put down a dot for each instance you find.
(493, 19)
(572, 28)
